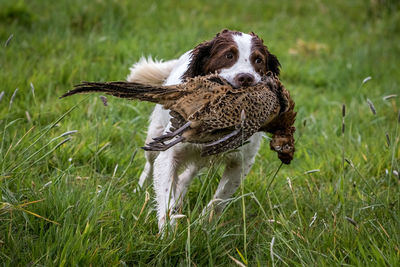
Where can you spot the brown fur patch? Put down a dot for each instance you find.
(270, 61)
(222, 52)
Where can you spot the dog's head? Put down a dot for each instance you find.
(238, 57)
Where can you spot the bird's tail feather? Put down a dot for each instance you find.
(128, 90)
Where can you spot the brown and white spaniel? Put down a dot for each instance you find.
(241, 59)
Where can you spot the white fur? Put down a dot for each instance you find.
(149, 71)
(243, 64)
(174, 169)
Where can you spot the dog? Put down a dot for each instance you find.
(239, 58)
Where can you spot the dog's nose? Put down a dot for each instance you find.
(244, 79)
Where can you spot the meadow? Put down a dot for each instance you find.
(69, 167)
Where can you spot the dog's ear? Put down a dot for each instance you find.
(273, 64)
(199, 56)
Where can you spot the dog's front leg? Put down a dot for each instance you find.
(236, 170)
(184, 180)
(158, 125)
(147, 170)
(165, 179)
(234, 173)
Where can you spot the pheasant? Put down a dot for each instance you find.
(207, 110)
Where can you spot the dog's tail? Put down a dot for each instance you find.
(164, 95)
(149, 71)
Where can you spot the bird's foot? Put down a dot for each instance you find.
(161, 146)
(170, 135)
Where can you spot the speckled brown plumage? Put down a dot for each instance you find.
(207, 110)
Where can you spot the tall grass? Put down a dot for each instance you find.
(69, 167)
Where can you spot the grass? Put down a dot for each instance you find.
(67, 197)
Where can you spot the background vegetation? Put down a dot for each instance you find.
(67, 198)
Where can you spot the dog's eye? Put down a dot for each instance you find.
(229, 55)
(258, 60)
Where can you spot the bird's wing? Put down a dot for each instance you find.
(255, 109)
(226, 111)
(233, 140)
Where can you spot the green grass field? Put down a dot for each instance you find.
(68, 200)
